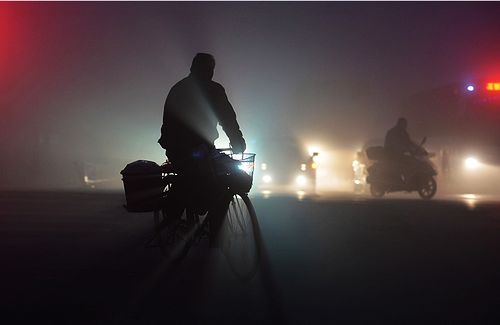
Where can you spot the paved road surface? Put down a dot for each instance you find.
(79, 258)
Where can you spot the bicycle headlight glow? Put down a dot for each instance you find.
(246, 167)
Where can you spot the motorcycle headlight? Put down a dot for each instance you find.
(471, 163)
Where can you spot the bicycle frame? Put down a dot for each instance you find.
(193, 212)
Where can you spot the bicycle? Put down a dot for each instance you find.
(239, 224)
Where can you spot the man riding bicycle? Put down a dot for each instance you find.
(193, 108)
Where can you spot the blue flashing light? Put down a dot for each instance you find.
(470, 88)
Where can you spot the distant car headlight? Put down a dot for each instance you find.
(471, 163)
(267, 179)
(301, 180)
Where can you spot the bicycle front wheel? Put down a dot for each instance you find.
(239, 237)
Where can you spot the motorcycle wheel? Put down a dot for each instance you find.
(428, 189)
(376, 190)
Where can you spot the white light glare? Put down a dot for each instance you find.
(301, 195)
(470, 88)
(301, 180)
(355, 165)
(246, 167)
(469, 196)
(267, 179)
(471, 163)
(312, 150)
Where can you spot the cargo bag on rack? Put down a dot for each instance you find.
(142, 180)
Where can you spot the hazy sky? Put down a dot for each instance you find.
(92, 77)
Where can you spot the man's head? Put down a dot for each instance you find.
(203, 66)
(402, 123)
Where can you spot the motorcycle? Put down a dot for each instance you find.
(385, 175)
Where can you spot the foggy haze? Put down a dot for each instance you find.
(85, 83)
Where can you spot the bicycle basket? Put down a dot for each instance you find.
(236, 170)
(246, 162)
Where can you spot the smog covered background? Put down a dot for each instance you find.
(82, 85)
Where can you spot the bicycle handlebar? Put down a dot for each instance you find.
(231, 150)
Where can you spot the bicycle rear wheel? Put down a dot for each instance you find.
(170, 230)
(239, 242)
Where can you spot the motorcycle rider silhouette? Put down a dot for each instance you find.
(399, 149)
(401, 165)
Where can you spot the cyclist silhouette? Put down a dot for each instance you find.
(193, 108)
